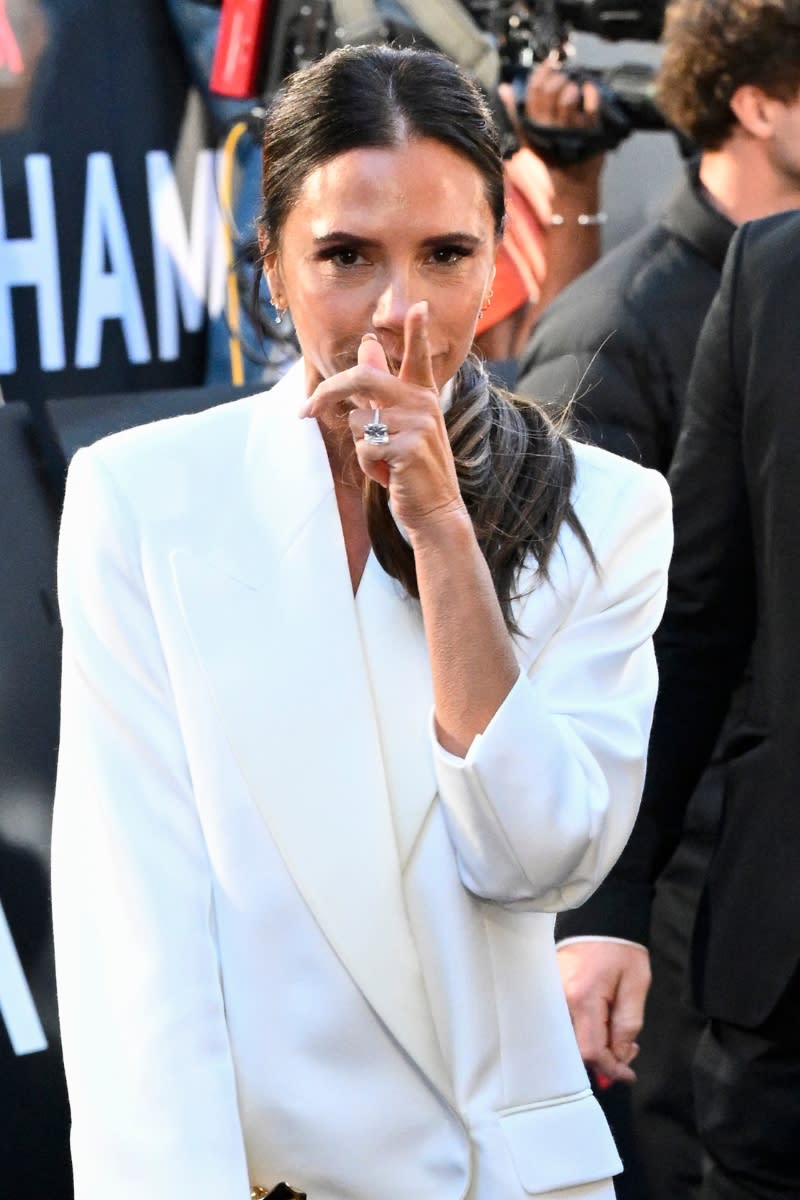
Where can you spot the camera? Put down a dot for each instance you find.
(529, 33)
(262, 41)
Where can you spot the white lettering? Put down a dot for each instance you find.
(218, 275)
(183, 262)
(33, 262)
(16, 1002)
(113, 294)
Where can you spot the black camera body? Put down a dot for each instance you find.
(529, 33)
(525, 32)
(626, 105)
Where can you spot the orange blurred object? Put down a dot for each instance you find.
(521, 262)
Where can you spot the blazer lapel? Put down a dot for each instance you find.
(271, 614)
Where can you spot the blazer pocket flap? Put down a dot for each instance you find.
(560, 1144)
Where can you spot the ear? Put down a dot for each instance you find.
(487, 291)
(272, 269)
(755, 111)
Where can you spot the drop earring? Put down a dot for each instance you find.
(487, 300)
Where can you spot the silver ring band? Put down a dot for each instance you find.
(376, 432)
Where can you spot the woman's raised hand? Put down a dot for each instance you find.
(415, 463)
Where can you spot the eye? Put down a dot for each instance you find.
(342, 256)
(451, 253)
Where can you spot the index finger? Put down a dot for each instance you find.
(416, 366)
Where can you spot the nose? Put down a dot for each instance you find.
(394, 300)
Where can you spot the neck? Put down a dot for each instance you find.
(341, 452)
(743, 184)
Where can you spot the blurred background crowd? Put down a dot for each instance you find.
(637, 143)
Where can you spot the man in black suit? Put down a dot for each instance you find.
(734, 594)
(624, 334)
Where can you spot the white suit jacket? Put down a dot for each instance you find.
(295, 938)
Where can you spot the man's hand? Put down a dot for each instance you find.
(553, 98)
(606, 984)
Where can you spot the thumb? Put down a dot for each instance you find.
(370, 353)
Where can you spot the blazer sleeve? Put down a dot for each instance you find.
(541, 805)
(149, 1071)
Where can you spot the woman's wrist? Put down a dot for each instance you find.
(447, 527)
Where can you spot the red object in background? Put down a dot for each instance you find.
(10, 55)
(237, 57)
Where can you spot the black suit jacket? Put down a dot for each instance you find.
(621, 337)
(734, 594)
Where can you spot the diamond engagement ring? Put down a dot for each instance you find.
(376, 433)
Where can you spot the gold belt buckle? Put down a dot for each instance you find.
(281, 1191)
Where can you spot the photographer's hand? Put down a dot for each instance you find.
(553, 98)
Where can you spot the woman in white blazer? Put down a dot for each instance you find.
(357, 688)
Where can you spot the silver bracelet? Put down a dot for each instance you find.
(597, 218)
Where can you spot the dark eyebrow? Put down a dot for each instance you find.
(467, 239)
(337, 236)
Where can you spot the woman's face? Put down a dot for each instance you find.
(371, 233)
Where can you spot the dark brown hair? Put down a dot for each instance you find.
(515, 468)
(714, 47)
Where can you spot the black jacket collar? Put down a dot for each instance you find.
(691, 217)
